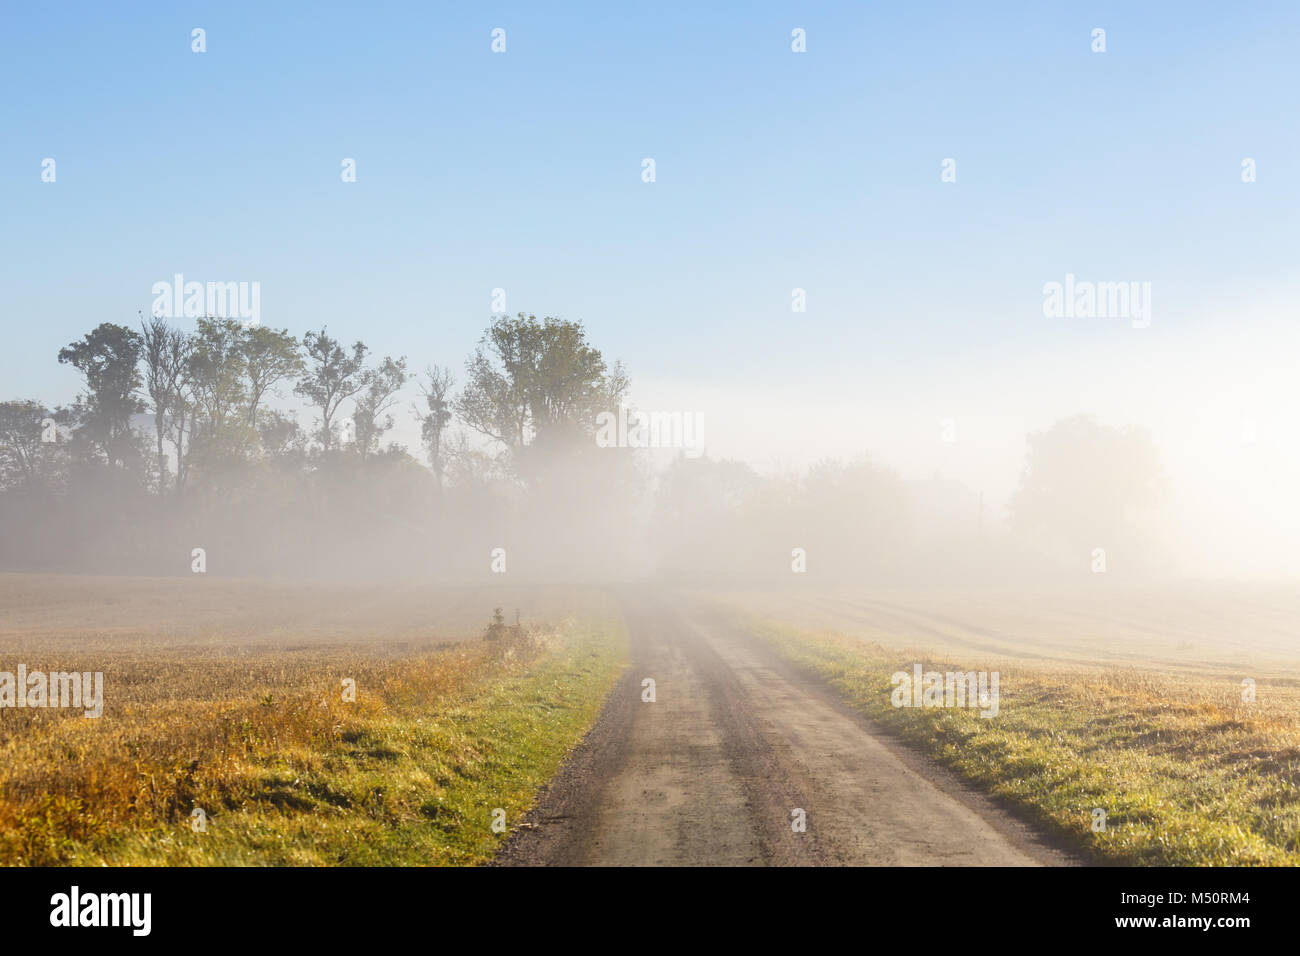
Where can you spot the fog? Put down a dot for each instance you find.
(1221, 406)
(1132, 455)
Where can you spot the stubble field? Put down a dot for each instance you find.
(229, 735)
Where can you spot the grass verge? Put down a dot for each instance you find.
(1187, 773)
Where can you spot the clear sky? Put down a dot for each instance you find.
(775, 170)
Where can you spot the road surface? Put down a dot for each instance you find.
(735, 741)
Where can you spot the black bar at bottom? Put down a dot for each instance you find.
(577, 907)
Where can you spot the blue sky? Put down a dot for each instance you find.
(775, 170)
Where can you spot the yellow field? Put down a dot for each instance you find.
(227, 697)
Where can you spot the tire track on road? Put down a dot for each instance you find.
(736, 740)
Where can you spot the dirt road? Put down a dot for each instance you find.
(735, 741)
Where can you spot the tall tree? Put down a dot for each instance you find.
(219, 391)
(531, 381)
(332, 377)
(167, 365)
(369, 416)
(157, 382)
(107, 358)
(178, 349)
(23, 426)
(436, 416)
(269, 357)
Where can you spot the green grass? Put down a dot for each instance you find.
(1187, 773)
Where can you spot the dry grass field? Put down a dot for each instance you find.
(200, 614)
(226, 696)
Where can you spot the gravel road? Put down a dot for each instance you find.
(735, 741)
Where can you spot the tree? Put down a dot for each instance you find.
(213, 382)
(107, 358)
(434, 420)
(332, 377)
(217, 369)
(269, 357)
(854, 515)
(154, 334)
(166, 353)
(382, 384)
(1084, 483)
(537, 382)
(23, 426)
(280, 435)
(178, 350)
(704, 517)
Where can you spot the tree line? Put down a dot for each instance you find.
(176, 442)
(218, 454)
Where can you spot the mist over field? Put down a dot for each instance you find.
(529, 458)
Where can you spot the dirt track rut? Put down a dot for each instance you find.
(736, 740)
